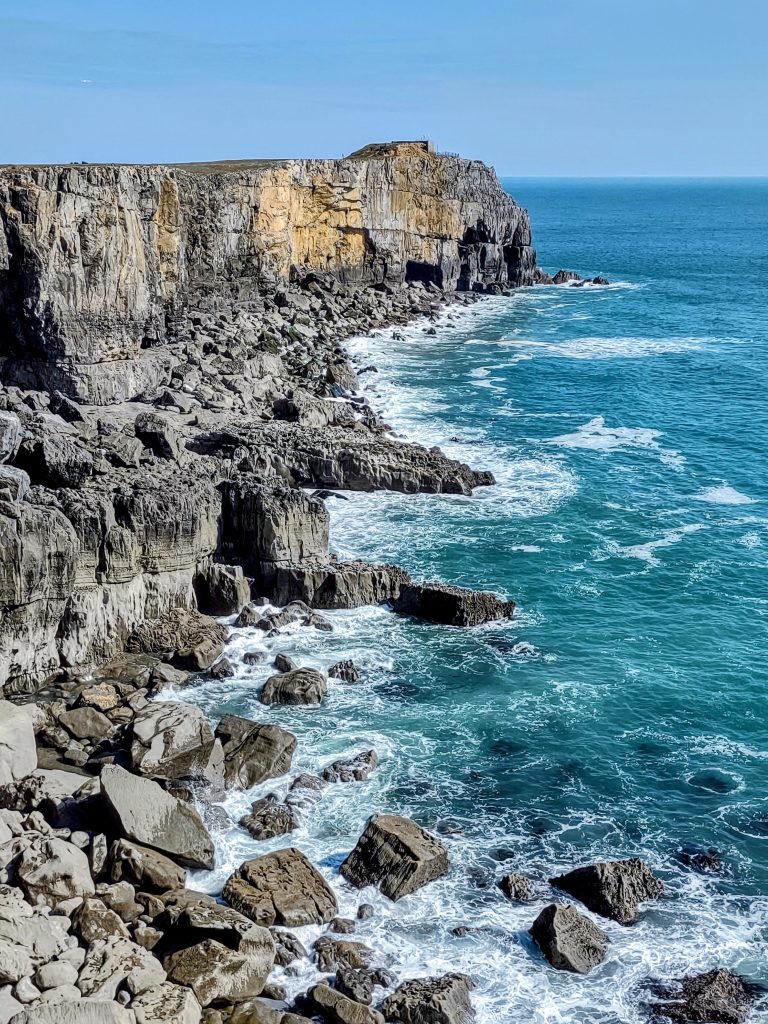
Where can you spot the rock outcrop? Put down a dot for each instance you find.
(568, 939)
(614, 889)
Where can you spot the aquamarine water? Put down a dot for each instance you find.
(623, 711)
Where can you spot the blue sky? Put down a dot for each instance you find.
(560, 87)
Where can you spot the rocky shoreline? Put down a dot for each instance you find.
(130, 529)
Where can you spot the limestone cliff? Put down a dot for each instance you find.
(97, 263)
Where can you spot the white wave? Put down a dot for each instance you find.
(646, 552)
(724, 494)
(607, 347)
(596, 436)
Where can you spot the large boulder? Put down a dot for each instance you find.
(336, 1008)
(94, 920)
(281, 888)
(144, 813)
(51, 870)
(171, 740)
(14, 483)
(217, 974)
(714, 996)
(613, 889)
(55, 460)
(222, 590)
(352, 769)
(568, 939)
(253, 752)
(192, 640)
(451, 606)
(42, 936)
(300, 686)
(442, 1000)
(115, 963)
(145, 869)
(396, 855)
(166, 1004)
(18, 754)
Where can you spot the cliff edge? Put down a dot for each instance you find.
(99, 262)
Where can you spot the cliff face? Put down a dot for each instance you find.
(98, 262)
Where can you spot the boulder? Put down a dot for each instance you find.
(396, 855)
(565, 277)
(193, 641)
(451, 606)
(345, 670)
(287, 947)
(55, 460)
(18, 754)
(15, 963)
(10, 1006)
(333, 954)
(94, 920)
(614, 889)
(55, 974)
(115, 963)
(269, 817)
(14, 483)
(84, 1011)
(570, 941)
(517, 888)
(86, 724)
(356, 984)
(222, 590)
(51, 870)
(336, 1008)
(171, 740)
(440, 1000)
(147, 870)
(281, 888)
(144, 813)
(167, 1004)
(254, 752)
(353, 769)
(158, 434)
(10, 435)
(714, 996)
(216, 973)
(300, 686)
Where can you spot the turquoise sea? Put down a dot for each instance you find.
(623, 711)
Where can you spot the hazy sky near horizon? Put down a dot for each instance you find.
(564, 87)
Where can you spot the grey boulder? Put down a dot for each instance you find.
(18, 754)
(144, 813)
(396, 855)
(613, 889)
(171, 740)
(253, 752)
(441, 1000)
(299, 686)
(281, 888)
(570, 941)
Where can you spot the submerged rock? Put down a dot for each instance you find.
(396, 855)
(568, 939)
(296, 687)
(517, 888)
(612, 889)
(353, 769)
(345, 670)
(269, 817)
(716, 995)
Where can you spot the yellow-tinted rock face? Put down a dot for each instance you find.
(94, 260)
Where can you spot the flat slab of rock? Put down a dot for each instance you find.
(613, 889)
(299, 686)
(145, 869)
(144, 813)
(714, 996)
(254, 752)
(396, 855)
(331, 1005)
(82, 1011)
(568, 939)
(18, 754)
(166, 1004)
(451, 606)
(51, 870)
(443, 1000)
(281, 888)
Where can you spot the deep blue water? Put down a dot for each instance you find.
(623, 711)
